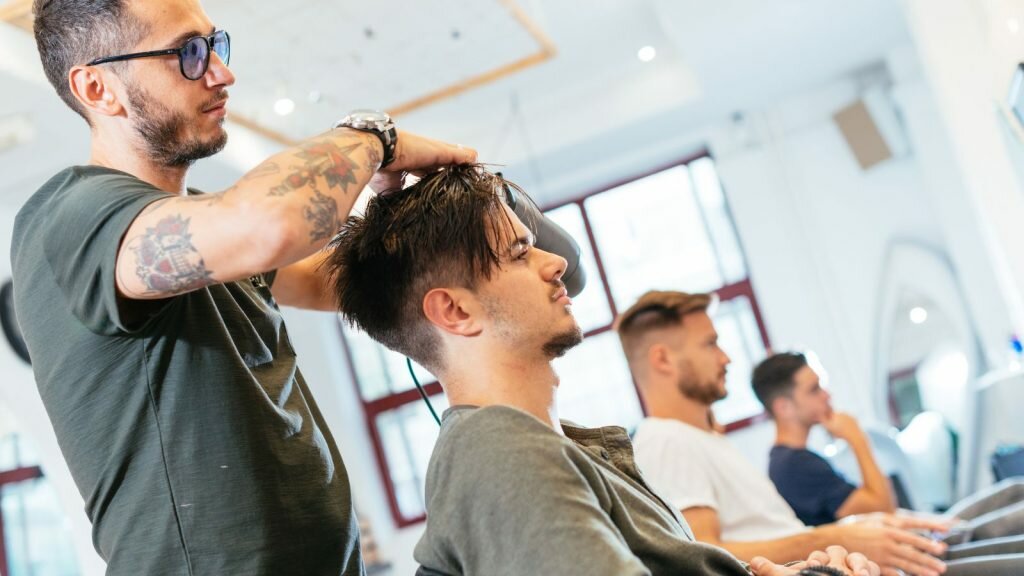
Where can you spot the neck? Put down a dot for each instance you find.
(123, 154)
(791, 434)
(524, 383)
(665, 401)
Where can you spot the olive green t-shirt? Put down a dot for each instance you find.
(189, 431)
(507, 495)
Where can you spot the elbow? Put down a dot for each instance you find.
(271, 240)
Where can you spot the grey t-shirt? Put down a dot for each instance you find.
(190, 432)
(506, 494)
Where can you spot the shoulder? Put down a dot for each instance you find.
(499, 450)
(497, 440)
(478, 431)
(656, 434)
(85, 189)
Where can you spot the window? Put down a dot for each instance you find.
(35, 537)
(671, 229)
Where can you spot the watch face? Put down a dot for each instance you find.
(369, 119)
(370, 115)
(10, 323)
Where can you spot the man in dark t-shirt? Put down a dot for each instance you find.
(791, 391)
(151, 310)
(986, 526)
(808, 483)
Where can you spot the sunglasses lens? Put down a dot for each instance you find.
(222, 46)
(194, 57)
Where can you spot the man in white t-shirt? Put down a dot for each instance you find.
(672, 348)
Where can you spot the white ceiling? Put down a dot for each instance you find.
(714, 58)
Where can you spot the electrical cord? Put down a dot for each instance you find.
(423, 393)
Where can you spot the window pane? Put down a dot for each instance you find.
(596, 388)
(719, 220)
(591, 306)
(739, 336)
(36, 534)
(12, 454)
(651, 235)
(380, 371)
(407, 436)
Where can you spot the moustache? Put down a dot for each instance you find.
(217, 100)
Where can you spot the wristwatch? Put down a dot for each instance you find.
(377, 123)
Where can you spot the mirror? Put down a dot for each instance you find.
(927, 361)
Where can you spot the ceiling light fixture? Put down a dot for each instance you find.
(646, 54)
(1013, 25)
(918, 315)
(284, 106)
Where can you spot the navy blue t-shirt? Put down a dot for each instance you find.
(808, 483)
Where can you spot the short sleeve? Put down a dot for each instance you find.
(835, 491)
(810, 485)
(676, 469)
(83, 226)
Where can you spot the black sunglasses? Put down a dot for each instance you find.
(193, 56)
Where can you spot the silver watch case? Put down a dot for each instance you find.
(375, 122)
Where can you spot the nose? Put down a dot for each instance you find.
(554, 266)
(218, 74)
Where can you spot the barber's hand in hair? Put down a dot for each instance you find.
(419, 156)
(834, 557)
(892, 548)
(842, 425)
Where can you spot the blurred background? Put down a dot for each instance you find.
(847, 175)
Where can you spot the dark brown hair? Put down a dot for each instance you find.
(773, 377)
(73, 32)
(440, 232)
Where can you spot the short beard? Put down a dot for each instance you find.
(159, 129)
(562, 343)
(706, 394)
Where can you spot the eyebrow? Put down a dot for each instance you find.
(527, 240)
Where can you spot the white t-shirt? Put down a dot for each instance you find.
(693, 468)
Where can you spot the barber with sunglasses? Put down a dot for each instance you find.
(151, 309)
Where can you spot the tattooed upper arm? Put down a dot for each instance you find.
(165, 260)
(181, 244)
(279, 213)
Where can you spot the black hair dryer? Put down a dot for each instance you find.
(550, 237)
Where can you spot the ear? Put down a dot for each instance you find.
(95, 90)
(659, 359)
(782, 408)
(451, 310)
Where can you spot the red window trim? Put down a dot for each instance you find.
(374, 408)
(13, 477)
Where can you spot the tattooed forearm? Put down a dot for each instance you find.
(264, 169)
(166, 261)
(373, 159)
(322, 215)
(321, 158)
